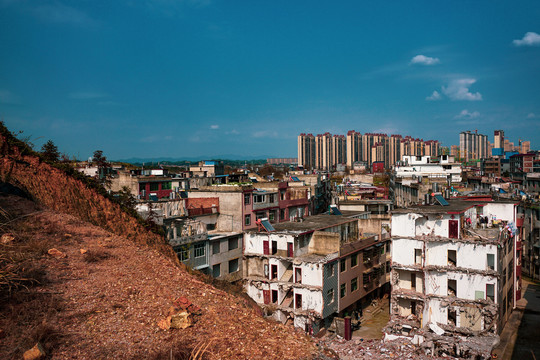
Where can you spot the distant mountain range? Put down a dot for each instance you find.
(193, 159)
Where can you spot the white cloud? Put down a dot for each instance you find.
(466, 114)
(459, 90)
(214, 127)
(434, 97)
(87, 95)
(424, 60)
(529, 39)
(531, 116)
(232, 132)
(59, 13)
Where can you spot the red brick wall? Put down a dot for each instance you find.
(204, 202)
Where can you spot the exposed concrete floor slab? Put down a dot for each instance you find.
(372, 325)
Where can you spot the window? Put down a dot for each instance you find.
(142, 186)
(354, 284)
(166, 185)
(271, 198)
(247, 220)
(332, 269)
(183, 254)
(298, 275)
(413, 281)
(273, 272)
(154, 186)
(233, 243)
(453, 229)
(452, 258)
(298, 301)
(260, 215)
(272, 215)
(282, 195)
(452, 287)
(215, 247)
(388, 266)
(233, 266)
(330, 296)
(490, 292)
(382, 250)
(452, 316)
(282, 214)
(418, 256)
(258, 199)
(342, 265)
(247, 199)
(354, 260)
(200, 250)
(274, 296)
(388, 247)
(274, 247)
(342, 291)
(216, 270)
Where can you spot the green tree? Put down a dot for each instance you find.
(104, 168)
(50, 152)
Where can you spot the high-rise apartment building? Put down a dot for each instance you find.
(472, 146)
(306, 151)
(525, 147)
(431, 148)
(354, 148)
(498, 142)
(394, 149)
(325, 151)
(339, 150)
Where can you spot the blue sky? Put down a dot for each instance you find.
(156, 78)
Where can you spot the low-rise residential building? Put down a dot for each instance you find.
(416, 176)
(207, 169)
(308, 271)
(241, 205)
(456, 269)
(213, 253)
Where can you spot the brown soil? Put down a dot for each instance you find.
(105, 303)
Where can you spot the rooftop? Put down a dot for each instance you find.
(311, 223)
(455, 206)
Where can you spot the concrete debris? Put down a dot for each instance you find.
(56, 253)
(436, 329)
(181, 320)
(7, 238)
(425, 346)
(34, 353)
(181, 315)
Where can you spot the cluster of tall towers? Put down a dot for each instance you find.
(326, 151)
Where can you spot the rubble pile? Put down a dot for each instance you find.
(373, 349)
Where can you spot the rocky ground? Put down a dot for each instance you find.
(99, 296)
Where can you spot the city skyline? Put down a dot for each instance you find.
(201, 78)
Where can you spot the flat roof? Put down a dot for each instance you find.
(310, 223)
(455, 206)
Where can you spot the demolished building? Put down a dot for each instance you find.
(308, 271)
(456, 274)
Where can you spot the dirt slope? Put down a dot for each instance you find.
(105, 304)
